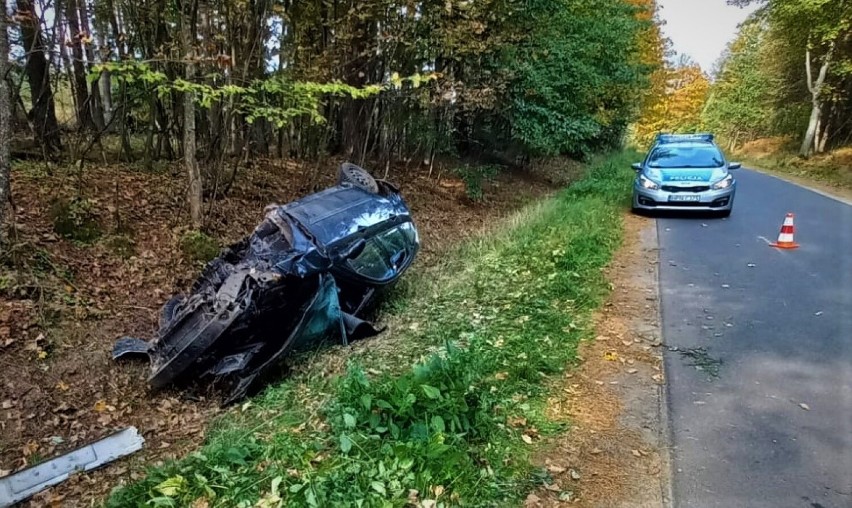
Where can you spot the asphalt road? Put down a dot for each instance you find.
(771, 425)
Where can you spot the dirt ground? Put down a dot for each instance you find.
(63, 304)
(614, 455)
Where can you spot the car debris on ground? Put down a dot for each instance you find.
(23, 484)
(312, 270)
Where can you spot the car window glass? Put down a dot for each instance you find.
(698, 156)
(397, 239)
(398, 242)
(409, 233)
(371, 262)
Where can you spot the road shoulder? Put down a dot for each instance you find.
(842, 194)
(616, 452)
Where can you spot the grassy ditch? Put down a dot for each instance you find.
(450, 404)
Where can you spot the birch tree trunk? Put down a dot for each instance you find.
(81, 91)
(815, 87)
(96, 109)
(823, 139)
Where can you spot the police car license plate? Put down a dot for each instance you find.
(685, 197)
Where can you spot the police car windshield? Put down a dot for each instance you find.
(686, 156)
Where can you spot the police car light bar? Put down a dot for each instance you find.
(672, 138)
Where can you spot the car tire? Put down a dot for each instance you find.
(725, 214)
(357, 177)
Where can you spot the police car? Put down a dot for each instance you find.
(685, 172)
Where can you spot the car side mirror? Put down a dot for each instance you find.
(734, 165)
(637, 166)
(354, 250)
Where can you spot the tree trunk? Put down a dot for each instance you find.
(105, 81)
(62, 37)
(815, 87)
(356, 71)
(810, 133)
(189, 158)
(5, 124)
(148, 156)
(84, 118)
(823, 140)
(43, 114)
(96, 109)
(817, 133)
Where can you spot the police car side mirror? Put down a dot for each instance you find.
(637, 166)
(734, 165)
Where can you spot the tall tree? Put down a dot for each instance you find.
(190, 160)
(567, 96)
(680, 108)
(816, 28)
(815, 87)
(653, 50)
(5, 114)
(744, 88)
(96, 109)
(80, 86)
(43, 114)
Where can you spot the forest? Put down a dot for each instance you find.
(787, 75)
(213, 86)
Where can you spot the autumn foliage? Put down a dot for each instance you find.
(678, 108)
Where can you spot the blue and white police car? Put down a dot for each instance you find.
(685, 172)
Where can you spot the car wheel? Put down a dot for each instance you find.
(725, 213)
(358, 177)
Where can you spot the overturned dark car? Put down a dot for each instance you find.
(312, 270)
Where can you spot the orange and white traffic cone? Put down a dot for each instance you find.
(785, 237)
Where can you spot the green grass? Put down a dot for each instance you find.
(475, 342)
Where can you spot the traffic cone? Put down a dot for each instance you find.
(785, 237)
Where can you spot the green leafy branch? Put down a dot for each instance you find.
(276, 99)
